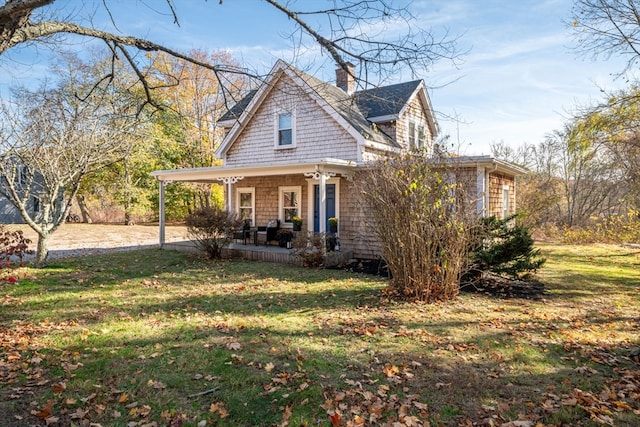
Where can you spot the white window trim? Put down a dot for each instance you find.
(506, 209)
(281, 191)
(412, 143)
(276, 139)
(418, 142)
(251, 190)
(421, 141)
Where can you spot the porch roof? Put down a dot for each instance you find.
(218, 173)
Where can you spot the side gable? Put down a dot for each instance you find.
(287, 89)
(319, 131)
(392, 107)
(325, 116)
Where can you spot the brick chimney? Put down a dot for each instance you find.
(345, 78)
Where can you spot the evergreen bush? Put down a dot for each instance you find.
(504, 247)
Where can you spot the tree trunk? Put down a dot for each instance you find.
(128, 218)
(43, 249)
(84, 209)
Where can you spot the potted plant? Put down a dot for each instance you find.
(284, 237)
(333, 224)
(297, 223)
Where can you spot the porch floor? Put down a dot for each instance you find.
(268, 253)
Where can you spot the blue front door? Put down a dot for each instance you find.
(331, 205)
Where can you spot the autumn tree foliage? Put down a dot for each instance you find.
(583, 182)
(194, 100)
(418, 211)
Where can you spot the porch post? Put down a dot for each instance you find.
(322, 209)
(230, 180)
(161, 185)
(322, 177)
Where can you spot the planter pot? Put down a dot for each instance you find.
(333, 228)
(297, 227)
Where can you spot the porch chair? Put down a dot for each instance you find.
(243, 233)
(269, 231)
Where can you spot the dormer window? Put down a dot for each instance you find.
(285, 130)
(421, 136)
(413, 143)
(416, 136)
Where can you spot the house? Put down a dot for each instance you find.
(9, 213)
(292, 147)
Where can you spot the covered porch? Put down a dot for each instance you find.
(262, 193)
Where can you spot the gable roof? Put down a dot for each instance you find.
(236, 111)
(359, 111)
(385, 101)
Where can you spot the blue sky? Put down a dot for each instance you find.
(518, 81)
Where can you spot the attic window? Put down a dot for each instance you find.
(421, 136)
(284, 135)
(412, 135)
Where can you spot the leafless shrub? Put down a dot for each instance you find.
(418, 208)
(211, 229)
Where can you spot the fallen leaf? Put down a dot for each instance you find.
(59, 387)
(335, 419)
(269, 367)
(45, 412)
(235, 345)
(285, 416)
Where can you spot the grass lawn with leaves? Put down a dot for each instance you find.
(160, 338)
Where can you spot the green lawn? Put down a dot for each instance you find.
(159, 338)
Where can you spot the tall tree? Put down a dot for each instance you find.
(608, 27)
(49, 141)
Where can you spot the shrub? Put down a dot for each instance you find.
(211, 229)
(504, 247)
(611, 229)
(419, 211)
(308, 248)
(14, 247)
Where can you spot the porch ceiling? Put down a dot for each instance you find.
(217, 173)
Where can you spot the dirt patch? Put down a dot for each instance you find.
(87, 239)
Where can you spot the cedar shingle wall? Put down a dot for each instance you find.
(317, 135)
(354, 231)
(415, 113)
(266, 193)
(496, 183)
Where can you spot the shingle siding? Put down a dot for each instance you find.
(413, 113)
(496, 184)
(317, 135)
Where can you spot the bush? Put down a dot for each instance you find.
(14, 247)
(612, 229)
(308, 249)
(211, 229)
(504, 247)
(419, 211)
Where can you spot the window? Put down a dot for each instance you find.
(245, 202)
(285, 130)
(505, 201)
(289, 204)
(36, 204)
(421, 136)
(412, 135)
